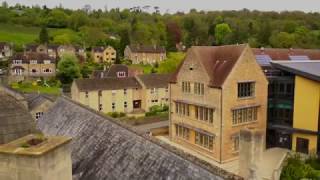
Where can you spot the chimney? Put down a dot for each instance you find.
(36, 157)
(262, 50)
(250, 154)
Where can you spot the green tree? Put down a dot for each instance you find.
(68, 69)
(77, 20)
(282, 40)
(57, 19)
(43, 36)
(124, 41)
(221, 31)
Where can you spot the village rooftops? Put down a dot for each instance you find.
(27, 57)
(147, 49)
(288, 54)
(42, 145)
(106, 84)
(307, 69)
(218, 61)
(155, 80)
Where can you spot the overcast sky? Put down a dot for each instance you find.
(184, 5)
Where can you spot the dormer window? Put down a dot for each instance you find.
(17, 61)
(121, 74)
(46, 62)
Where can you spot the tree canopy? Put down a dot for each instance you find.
(68, 68)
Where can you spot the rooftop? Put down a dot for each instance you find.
(48, 144)
(147, 49)
(307, 69)
(155, 80)
(107, 84)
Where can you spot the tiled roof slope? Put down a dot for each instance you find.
(107, 84)
(218, 61)
(104, 149)
(15, 120)
(112, 72)
(283, 54)
(155, 80)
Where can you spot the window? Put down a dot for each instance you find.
(100, 107)
(204, 114)
(87, 94)
(186, 87)
(17, 61)
(199, 88)
(33, 61)
(246, 89)
(244, 115)
(182, 132)
(124, 91)
(47, 70)
(235, 143)
(33, 70)
(113, 92)
(204, 140)
(39, 115)
(125, 104)
(46, 62)
(182, 109)
(121, 74)
(167, 89)
(113, 107)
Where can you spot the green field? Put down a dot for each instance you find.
(168, 66)
(28, 87)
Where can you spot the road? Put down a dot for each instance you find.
(147, 127)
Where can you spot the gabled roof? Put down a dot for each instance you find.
(26, 57)
(103, 148)
(112, 72)
(155, 80)
(284, 54)
(34, 100)
(15, 120)
(31, 47)
(218, 61)
(106, 84)
(307, 69)
(147, 49)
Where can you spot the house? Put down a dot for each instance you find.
(139, 54)
(116, 70)
(5, 50)
(294, 106)
(104, 54)
(103, 148)
(216, 92)
(29, 65)
(108, 94)
(155, 89)
(75, 50)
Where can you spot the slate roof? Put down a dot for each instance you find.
(98, 49)
(26, 57)
(283, 54)
(307, 69)
(15, 120)
(155, 80)
(112, 72)
(218, 61)
(147, 49)
(107, 84)
(34, 100)
(102, 149)
(31, 47)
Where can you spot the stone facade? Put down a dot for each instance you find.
(5, 50)
(221, 134)
(148, 56)
(49, 160)
(104, 54)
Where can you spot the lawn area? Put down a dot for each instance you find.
(28, 87)
(167, 66)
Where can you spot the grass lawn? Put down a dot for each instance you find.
(28, 87)
(167, 66)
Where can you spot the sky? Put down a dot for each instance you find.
(172, 6)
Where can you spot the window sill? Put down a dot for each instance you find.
(247, 123)
(246, 98)
(194, 120)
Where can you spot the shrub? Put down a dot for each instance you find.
(117, 114)
(297, 169)
(314, 162)
(151, 113)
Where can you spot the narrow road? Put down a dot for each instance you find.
(147, 127)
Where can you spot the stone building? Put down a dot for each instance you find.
(104, 54)
(216, 92)
(5, 50)
(155, 89)
(32, 65)
(103, 148)
(116, 70)
(39, 104)
(139, 54)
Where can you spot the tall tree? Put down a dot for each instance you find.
(68, 69)
(44, 36)
(221, 32)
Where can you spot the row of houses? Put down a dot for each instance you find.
(119, 90)
(138, 54)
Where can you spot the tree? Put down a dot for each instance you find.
(124, 40)
(77, 20)
(43, 36)
(57, 19)
(68, 69)
(221, 31)
(282, 40)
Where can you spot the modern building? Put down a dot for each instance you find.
(5, 50)
(104, 54)
(32, 65)
(216, 92)
(294, 106)
(139, 54)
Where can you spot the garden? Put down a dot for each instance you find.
(51, 86)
